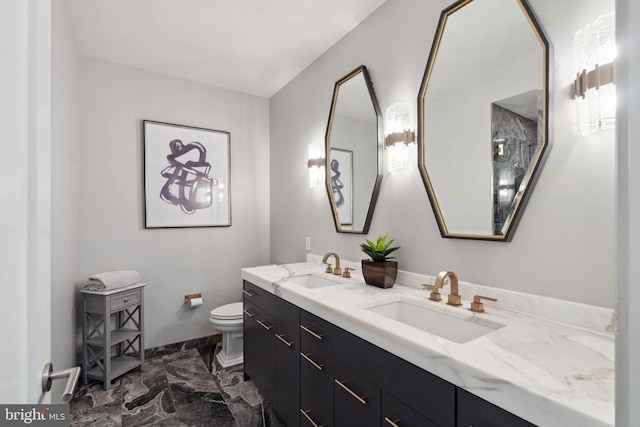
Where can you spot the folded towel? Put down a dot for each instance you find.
(112, 280)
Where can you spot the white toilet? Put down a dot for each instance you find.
(228, 320)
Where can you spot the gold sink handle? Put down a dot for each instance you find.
(477, 306)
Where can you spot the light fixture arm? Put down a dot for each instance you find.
(406, 136)
(601, 75)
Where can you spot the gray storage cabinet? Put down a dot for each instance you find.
(112, 332)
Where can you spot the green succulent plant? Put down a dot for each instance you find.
(380, 250)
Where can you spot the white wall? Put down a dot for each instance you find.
(565, 243)
(65, 190)
(628, 214)
(13, 227)
(174, 262)
(25, 198)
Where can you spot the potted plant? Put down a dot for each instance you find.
(380, 271)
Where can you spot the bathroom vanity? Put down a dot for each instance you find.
(332, 351)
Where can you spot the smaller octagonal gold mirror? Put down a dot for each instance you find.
(353, 152)
(483, 117)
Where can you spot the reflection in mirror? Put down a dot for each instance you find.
(353, 146)
(482, 117)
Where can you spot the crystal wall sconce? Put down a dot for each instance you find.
(594, 84)
(316, 164)
(398, 140)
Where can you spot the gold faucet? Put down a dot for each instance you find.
(454, 296)
(337, 270)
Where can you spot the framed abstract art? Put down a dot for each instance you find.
(186, 176)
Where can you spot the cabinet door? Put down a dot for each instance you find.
(260, 350)
(288, 373)
(250, 330)
(397, 414)
(316, 376)
(476, 412)
(357, 400)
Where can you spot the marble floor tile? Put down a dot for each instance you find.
(182, 385)
(238, 393)
(189, 371)
(101, 416)
(204, 409)
(139, 390)
(261, 415)
(159, 409)
(93, 395)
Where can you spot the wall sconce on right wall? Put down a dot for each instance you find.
(594, 85)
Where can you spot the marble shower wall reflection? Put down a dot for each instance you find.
(515, 142)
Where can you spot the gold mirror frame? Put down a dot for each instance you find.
(360, 72)
(528, 182)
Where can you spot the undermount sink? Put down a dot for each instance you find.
(453, 328)
(312, 281)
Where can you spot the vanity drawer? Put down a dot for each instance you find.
(428, 394)
(357, 400)
(317, 331)
(311, 415)
(96, 303)
(316, 376)
(283, 310)
(397, 413)
(255, 294)
(120, 301)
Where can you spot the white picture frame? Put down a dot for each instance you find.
(341, 178)
(186, 176)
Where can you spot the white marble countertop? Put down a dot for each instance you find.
(552, 363)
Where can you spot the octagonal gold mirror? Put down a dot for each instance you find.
(353, 152)
(483, 117)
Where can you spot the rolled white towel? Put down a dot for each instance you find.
(112, 279)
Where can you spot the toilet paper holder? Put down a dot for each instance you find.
(188, 298)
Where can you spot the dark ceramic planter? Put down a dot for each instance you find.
(380, 274)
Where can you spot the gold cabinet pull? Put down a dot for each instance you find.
(287, 343)
(267, 327)
(248, 293)
(351, 392)
(248, 313)
(308, 359)
(306, 415)
(392, 423)
(309, 331)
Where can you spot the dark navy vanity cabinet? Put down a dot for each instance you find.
(406, 391)
(473, 411)
(317, 374)
(271, 350)
(317, 369)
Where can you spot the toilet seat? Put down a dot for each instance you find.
(231, 311)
